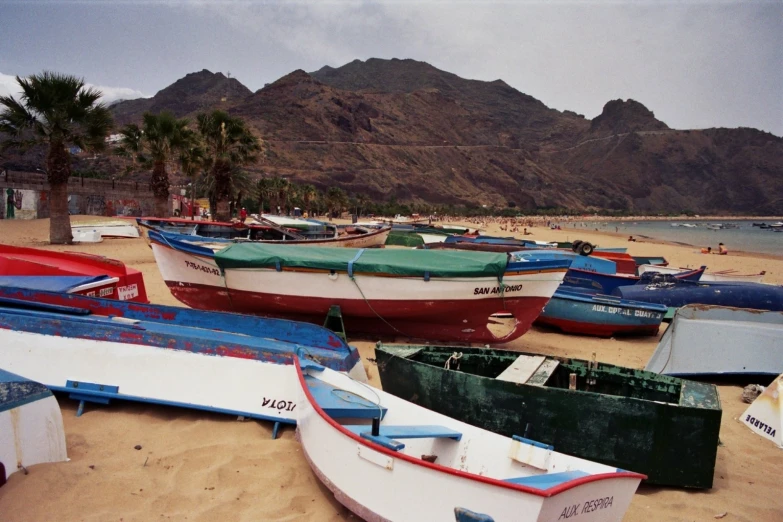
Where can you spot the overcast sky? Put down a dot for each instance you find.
(694, 64)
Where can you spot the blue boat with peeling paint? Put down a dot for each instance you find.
(578, 312)
(608, 283)
(100, 349)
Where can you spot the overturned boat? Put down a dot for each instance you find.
(31, 425)
(99, 350)
(707, 340)
(664, 427)
(439, 295)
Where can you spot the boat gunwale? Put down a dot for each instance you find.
(657, 378)
(546, 493)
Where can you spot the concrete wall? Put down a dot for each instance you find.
(97, 197)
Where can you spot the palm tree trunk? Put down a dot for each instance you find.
(159, 185)
(222, 174)
(58, 165)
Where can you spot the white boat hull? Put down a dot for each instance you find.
(234, 385)
(715, 340)
(31, 433)
(765, 416)
(378, 484)
(122, 231)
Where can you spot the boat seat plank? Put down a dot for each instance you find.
(548, 480)
(521, 369)
(386, 442)
(543, 373)
(339, 403)
(409, 432)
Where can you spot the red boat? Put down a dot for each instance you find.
(122, 282)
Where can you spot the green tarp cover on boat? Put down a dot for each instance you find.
(437, 263)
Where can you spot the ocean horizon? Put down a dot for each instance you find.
(745, 237)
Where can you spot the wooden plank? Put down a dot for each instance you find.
(543, 373)
(409, 432)
(521, 369)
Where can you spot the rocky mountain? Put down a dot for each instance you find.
(404, 129)
(195, 92)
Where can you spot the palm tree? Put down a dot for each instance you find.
(283, 191)
(336, 200)
(161, 138)
(191, 161)
(56, 110)
(229, 145)
(264, 189)
(309, 194)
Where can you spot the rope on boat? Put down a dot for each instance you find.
(454, 357)
(352, 278)
(369, 388)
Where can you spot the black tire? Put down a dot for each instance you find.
(585, 249)
(575, 245)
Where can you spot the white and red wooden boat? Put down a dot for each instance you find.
(122, 283)
(438, 295)
(31, 425)
(216, 235)
(387, 459)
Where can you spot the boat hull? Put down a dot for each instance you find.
(601, 316)
(673, 444)
(346, 464)
(33, 262)
(456, 309)
(31, 425)
(705, 340)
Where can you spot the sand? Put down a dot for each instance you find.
(201, 466)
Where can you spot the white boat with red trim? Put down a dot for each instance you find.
(387, 459)
(438, 295)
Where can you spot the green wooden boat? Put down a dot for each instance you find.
(664, 427)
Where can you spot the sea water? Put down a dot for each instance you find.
(745, 237)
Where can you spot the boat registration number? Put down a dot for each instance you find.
(127, 292)
(206, 269)
(624, 311)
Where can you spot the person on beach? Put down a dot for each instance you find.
(722, 250)
(707, 250)
(630, 238)
(242, 215)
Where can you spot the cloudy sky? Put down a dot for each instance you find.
(695, 64)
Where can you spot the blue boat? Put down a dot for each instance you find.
(216, 361)
(580, 312)
(676, 293)
(608, 283)
(588, 263)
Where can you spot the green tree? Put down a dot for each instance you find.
(264, 189)
(309, 195)
(55, 110)
(160, 140)
(191, 160)
(336, 200)
(229, 145)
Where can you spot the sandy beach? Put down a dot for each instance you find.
(200, 466)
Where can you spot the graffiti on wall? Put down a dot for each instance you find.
(124, 207)
(96, 205)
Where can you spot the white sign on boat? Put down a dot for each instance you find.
(765, 416)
